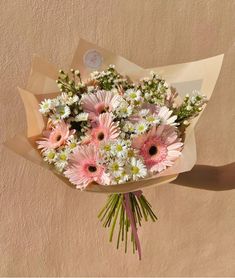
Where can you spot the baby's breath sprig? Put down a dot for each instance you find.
(110, 79)
(69, 85)
(191, 106)
(154, 89)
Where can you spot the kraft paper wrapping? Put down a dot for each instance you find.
(198, 75)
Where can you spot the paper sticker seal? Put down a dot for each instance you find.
(93, 59)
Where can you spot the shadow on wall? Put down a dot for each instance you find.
(209, 177)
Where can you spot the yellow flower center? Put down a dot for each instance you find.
(115, 167)
(150, 119)
(51, 155)
(73, 145)
(63, 157)
(119, 148)
(135, 170)
(107, 148)
(133, 95)
(141, 128)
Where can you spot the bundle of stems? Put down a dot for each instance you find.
(115, 210)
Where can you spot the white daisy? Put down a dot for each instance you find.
(45, 106)
(116, 180)
(106, 147)
(119, 148)
(128, 127)
(105, 151)
(137, 169)
(49, 155)
(124, 176)
(116, 167)
(133, 95)
(62, 160)
(141, 127)
(72, 142)
(56, 102)
(72, 100)
(82, 117)
(63, 111)
(152, 119)
(65, 99)
(55, 118)
(124, 109)
(132, 152)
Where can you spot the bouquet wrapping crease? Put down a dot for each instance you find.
(126, 201)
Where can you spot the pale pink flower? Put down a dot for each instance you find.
(100, 102)
(164, 115)
(153, 108)
(160, 147)
(84, 168)
(55, 136)
(149, 108)
(104, 129)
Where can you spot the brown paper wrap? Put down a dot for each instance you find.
(198, 75)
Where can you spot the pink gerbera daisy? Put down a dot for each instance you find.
(55, 137)
(159, 147)
(104, 129)
(100, 102)
(84, 168)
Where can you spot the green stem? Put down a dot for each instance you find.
(114, 209)
(115, 218)
(120, 226)
(105, 207)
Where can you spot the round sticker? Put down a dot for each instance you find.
(93, 59)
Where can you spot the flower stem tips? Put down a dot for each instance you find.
(127, 212)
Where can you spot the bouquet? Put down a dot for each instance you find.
(114, 132)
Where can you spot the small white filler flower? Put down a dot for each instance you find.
(137, 169)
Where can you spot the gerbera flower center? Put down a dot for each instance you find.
(58, 137)
(105, 109)
(92, 168)
(100, 136)
(102, 107)
(153, 150)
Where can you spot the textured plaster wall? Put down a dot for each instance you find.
(48, 229)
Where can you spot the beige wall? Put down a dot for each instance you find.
(49, 229)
